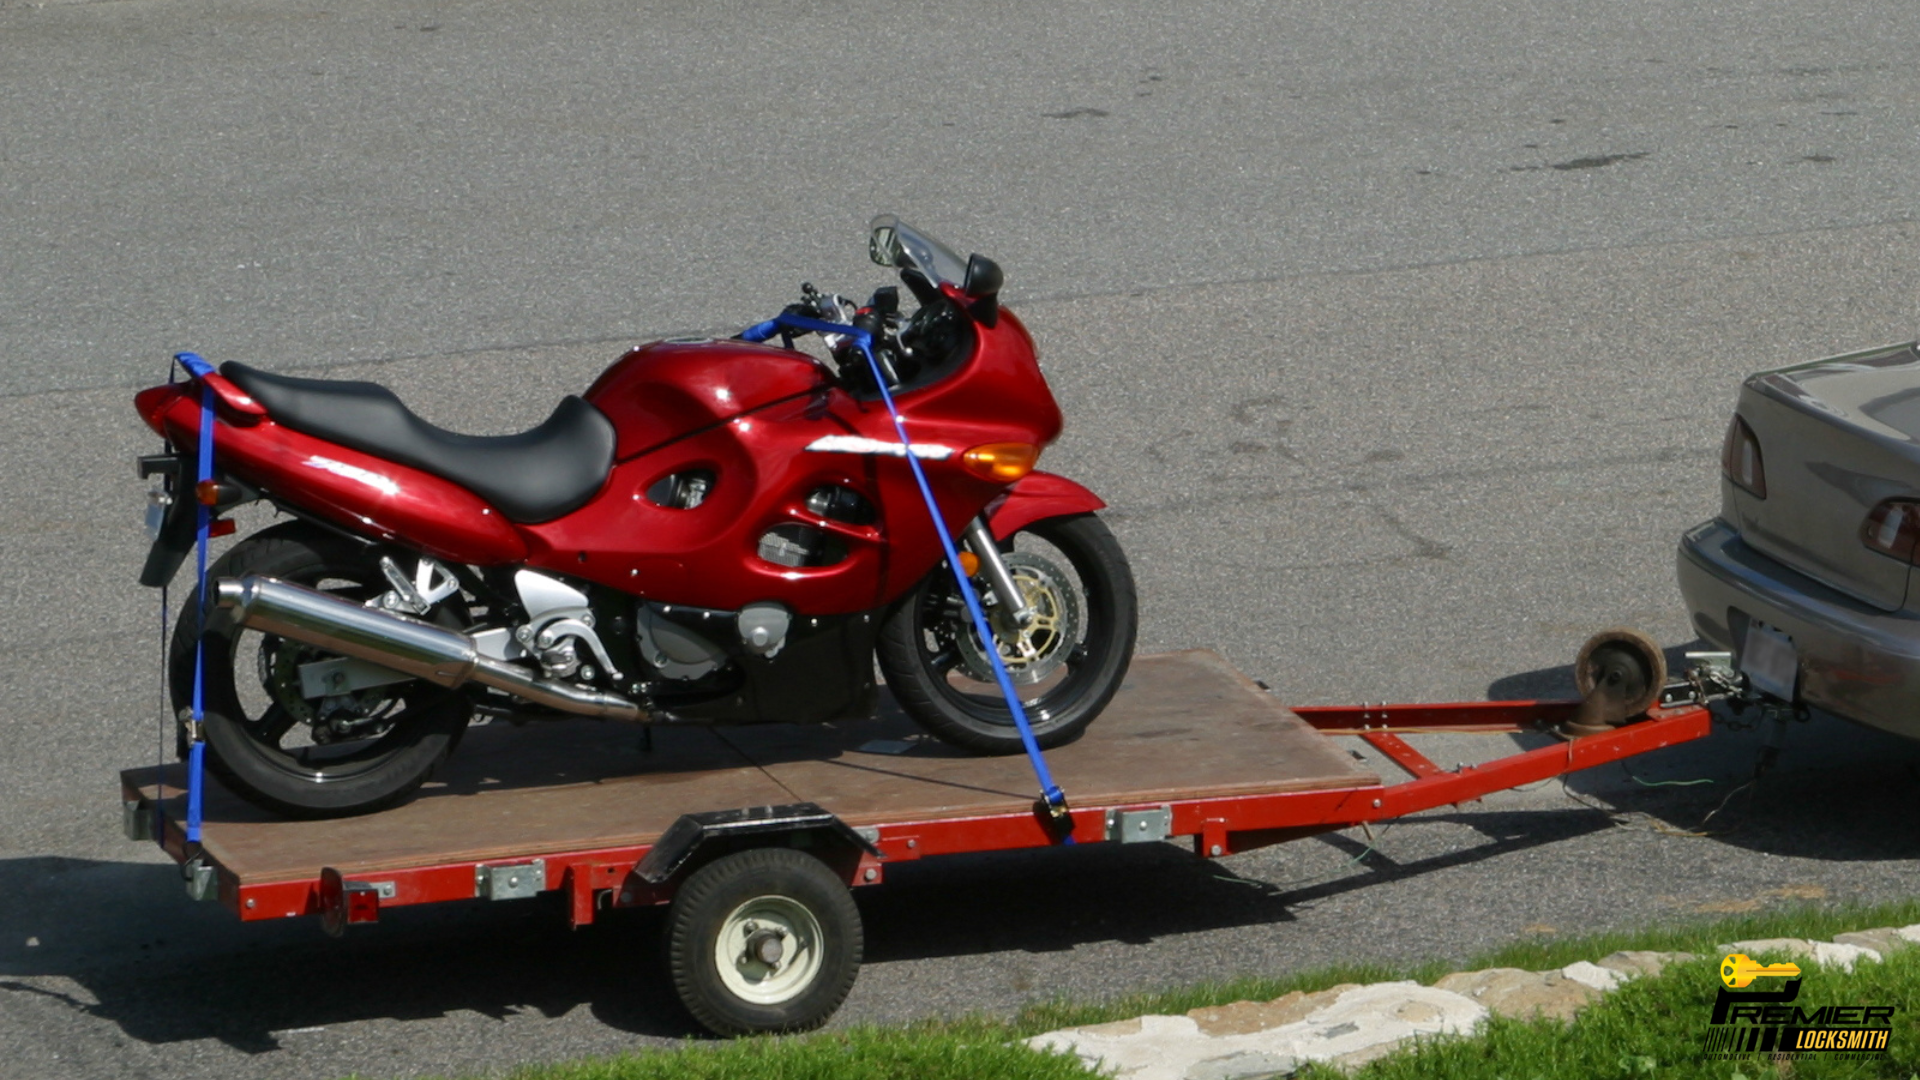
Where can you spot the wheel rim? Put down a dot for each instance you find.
(768, 950)
(1074, 577)
(1035, 651)
(277, 730)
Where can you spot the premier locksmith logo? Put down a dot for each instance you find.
(1748, 1021)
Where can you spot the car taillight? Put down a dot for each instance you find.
(1740, 459)
(1893, 529)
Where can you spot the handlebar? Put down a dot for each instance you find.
(849, 331)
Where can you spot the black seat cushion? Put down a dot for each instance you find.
(531, 477)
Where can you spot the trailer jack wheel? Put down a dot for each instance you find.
(1619, 674)
(765, 940)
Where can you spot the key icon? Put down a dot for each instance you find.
(1737, 970)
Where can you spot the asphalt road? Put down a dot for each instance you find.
(1400, 337)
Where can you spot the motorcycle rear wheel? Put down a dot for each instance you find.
(1074, 572)
(260, 733)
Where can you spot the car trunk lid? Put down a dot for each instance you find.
(1837, 437)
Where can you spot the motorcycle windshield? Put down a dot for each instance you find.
(895, 243)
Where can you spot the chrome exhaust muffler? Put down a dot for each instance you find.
(441, 656)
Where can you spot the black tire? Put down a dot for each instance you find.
(931, 657)
(731, 906)
(253, 738)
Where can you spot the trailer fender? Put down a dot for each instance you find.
(692, 834)
(1036, 497)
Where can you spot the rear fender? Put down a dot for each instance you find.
(363, 494)
(1036, 497)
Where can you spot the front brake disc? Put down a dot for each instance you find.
(1036, 651)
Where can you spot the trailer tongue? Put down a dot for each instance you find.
(753, 833)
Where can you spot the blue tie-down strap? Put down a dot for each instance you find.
(1052, 800)
(196, 743)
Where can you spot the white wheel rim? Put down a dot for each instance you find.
(739, 948)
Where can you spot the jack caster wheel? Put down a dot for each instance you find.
(765, 940)
(1619, 674)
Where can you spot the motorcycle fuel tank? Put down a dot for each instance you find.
(669, 389)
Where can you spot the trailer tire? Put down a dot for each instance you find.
(763, 940)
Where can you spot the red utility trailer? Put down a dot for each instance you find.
(753, 834)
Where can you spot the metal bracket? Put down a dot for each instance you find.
(1710, 676)
(515, 881)
(136, 819)
(685, 835)
(1140, 826)
(203, 881)
(346, 903)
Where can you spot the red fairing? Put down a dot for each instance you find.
(1036, 497)
(361, 493)
(708, 556)
(752, 416)
(661, 392)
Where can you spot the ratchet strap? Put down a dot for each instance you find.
(1053, 802)
(196, 738)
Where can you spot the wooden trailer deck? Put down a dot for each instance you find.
(1184, 726)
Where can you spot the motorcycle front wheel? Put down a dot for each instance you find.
(1066, 663)
(302, 757)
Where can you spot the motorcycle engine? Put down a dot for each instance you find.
(680, 641)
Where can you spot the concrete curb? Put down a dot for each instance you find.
(1350, 1025)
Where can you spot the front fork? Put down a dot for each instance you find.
(980, 541)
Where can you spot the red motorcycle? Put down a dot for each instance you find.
(718, 532)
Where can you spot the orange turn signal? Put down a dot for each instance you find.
(969, 563)
(207, 492)
(1004, 461)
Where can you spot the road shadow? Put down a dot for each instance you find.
(1554, 683)
(120, 942)
(1061, 898)
(165, 970)
(1828, 789)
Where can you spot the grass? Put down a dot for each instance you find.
(963, 1050)
(1654, 1027)
(1648, 1028)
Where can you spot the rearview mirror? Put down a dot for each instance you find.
(982, 286)
(983, 278)
(884, 246)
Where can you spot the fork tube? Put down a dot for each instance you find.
(980, 542)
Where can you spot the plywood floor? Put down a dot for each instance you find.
(1184, 725)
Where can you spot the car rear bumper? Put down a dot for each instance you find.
(1856, 661)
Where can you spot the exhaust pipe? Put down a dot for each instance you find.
(441, 656)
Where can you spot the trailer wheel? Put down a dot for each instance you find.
(764, 940)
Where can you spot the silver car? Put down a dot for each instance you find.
(1808, 574)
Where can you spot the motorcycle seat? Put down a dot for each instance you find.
(532, 477)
